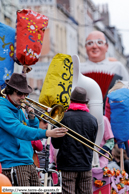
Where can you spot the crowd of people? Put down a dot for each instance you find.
(22, 147)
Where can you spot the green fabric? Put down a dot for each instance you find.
(110, 143)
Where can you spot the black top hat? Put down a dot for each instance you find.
(79, 95)
(19, 82)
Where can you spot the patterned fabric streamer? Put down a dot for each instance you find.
(58, 82)
(7, 37)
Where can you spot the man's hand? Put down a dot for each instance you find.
(30, 111)
(56, 132)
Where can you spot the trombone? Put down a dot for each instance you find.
(56, 113)
(57, 120)
(55, 116)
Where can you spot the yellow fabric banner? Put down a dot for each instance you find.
(58, 82)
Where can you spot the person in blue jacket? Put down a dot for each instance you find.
(17, 132)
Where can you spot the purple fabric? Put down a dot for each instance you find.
(98, 174)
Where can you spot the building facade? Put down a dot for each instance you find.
(70, 22)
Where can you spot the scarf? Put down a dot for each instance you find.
(78, 106)
(9, 99)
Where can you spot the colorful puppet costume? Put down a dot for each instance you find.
(119, 117)
(7, 37)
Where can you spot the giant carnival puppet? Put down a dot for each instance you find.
(106, 70)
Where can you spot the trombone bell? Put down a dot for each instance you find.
(56, 112)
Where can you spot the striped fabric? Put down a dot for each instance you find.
(26, 175)
(41, 157)
(77, 182)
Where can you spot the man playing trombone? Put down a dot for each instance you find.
(17, 132)
(75, 159)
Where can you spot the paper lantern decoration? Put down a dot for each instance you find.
(4, 182)
(58, 82)
(30, 30)
(7, 38)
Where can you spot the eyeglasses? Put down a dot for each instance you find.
(21, 94)
(99, 42)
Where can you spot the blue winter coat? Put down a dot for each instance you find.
(16, 133)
